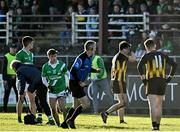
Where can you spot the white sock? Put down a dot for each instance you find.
(50, 118)
(39, 115)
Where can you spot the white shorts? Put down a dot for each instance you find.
(61, 94)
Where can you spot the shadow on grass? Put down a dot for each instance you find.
(104, 127)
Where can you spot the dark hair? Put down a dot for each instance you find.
(26, 40)
(52, 52)
(124, 45)
(149, 43)
(89, 45)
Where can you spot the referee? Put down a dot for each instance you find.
(152, 69)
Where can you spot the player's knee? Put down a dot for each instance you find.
(21, 99)
(120, 105)
(86, 105)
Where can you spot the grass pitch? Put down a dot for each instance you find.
(87, 122)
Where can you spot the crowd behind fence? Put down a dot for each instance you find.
(54, 30)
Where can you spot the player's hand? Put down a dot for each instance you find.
(82, 84)
(50, 89)
(168, 79)
(98, 70)
(67, 90)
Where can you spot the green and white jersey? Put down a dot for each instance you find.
(55, 75)
(25, 56)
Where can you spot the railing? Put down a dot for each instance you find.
(49, 29)
(4, 28)
(80, 30)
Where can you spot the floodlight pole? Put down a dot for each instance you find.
(103, 26)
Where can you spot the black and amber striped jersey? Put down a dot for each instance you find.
(153, 64)
(119, 67)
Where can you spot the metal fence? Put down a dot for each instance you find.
(54, 30)
(118, 25)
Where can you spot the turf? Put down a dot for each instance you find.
(87, 122)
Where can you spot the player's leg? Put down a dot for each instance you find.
(116, 106)
(94, 91)
(121, 111)
(15, 89)
(42, 95)
(38, 109)
(159, 102)
(70, 112)
(113, 108)
(32, 104)
(53, 105)
(19, 106)
(152, 110)
(62, 105)
(84, 103)
(7, 90)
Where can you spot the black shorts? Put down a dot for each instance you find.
(77, 90)
(156, 86)
(118, 86)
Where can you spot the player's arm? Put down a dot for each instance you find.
(76, 69)
(43, 77)
(173, 68)
(141, 69)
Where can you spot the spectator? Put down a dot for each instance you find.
(176, 6)
(66, 35)
(92, 4)
(162, 8)
(166, 44)
(132, 34)
(81, 11)
(134, 4)
(92, 26)
(26, 7)
(143, 8)
(117, 10)
(18, 19)
(14, 5)
(131, 27)
(140, 48)
(3, 7)
(151, 6)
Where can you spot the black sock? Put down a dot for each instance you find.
(76, 113)
(69, 114)
(158, 125)
(154, 124)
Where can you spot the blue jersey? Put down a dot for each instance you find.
(81, 67)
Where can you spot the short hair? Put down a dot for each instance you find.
(51, 52)
(124, 45)
(26, 40)
(149, 43)
(88, 45)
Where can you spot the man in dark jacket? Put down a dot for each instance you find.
(30, 74)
